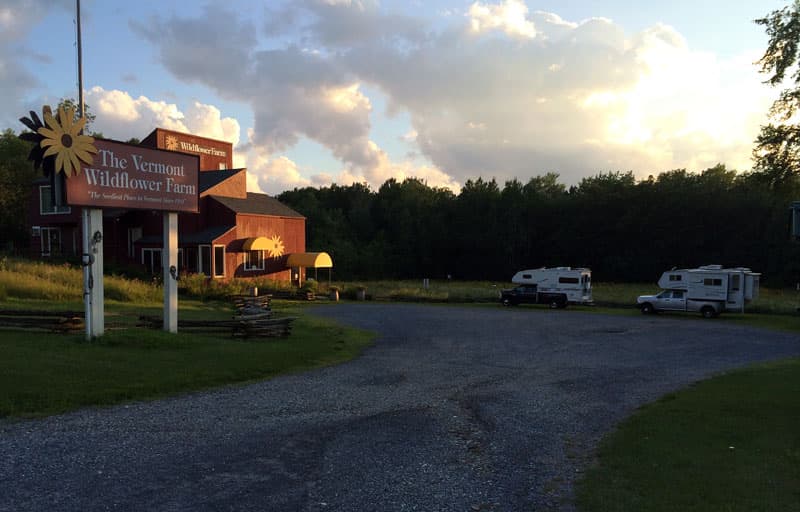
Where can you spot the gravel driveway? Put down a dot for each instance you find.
(454, 409)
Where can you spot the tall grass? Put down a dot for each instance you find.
(37, 280)
(197, 285)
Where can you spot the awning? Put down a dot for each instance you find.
(309, 260)
(258, 243)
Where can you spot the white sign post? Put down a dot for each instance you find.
(94, 309)
(97, 294)
(169, 260)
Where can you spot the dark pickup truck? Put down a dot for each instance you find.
(529, 294)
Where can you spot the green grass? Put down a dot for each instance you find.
(37, 280)
(731, 443)
(46, 374)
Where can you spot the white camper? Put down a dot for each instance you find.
(731, 287)
(566, 285)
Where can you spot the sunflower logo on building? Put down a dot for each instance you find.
(62, 138)
(171, 142)
(275, 246)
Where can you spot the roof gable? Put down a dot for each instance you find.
(258, 204)
(226, 182)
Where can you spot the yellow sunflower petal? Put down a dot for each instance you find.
(76, 164)
(53, 150)
(78, 126)
(83, 156)
(50, 134)
(48, 142)
(85, 142)
(59, 161)
(66, 115)
(52, 123)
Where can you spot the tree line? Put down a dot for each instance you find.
(621, 228)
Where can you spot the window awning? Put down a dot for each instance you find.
(309, 260)
(257, 243)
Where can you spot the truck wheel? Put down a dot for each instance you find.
(647, 309)
(708, 312)
(506, 302)
(555, 304)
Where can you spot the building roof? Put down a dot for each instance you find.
(259, 204)
(208, 179)
(206, 236)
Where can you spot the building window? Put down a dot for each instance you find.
(134, 234)
(204, 262)
(46, 206)
(50, 241)
(151, 259)
(219, 261)
(191, 254)
(254, 260)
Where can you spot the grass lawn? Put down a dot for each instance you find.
(731, 443)
(45, 373)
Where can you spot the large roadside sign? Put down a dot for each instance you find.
(134, 177)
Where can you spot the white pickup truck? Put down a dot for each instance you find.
(676, 300)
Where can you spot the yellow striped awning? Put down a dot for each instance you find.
(309, 260)
(256, 243)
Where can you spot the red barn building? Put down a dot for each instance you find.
(234, 234)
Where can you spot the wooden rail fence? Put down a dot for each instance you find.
(56, 321)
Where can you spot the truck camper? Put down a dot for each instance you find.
(557, 286)
(709, 289)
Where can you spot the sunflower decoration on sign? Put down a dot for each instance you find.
(37, 152)
(275, 248)
(58, 136)
(62, 138)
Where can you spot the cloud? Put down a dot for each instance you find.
(509, 17)
(273, 175)
(577, 99)
(121, 116)
(501, 91)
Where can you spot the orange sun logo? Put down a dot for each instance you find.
(172, 143)
(275, 246)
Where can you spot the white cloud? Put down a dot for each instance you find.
(272, 175)
(574, 98)
(207, 121)
(509, 17)
(121, 116)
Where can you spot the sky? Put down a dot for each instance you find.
(315, 92)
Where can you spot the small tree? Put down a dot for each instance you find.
(777, 150)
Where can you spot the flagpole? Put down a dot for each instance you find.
(88, 312)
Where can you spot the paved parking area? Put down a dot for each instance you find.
(453, 409)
